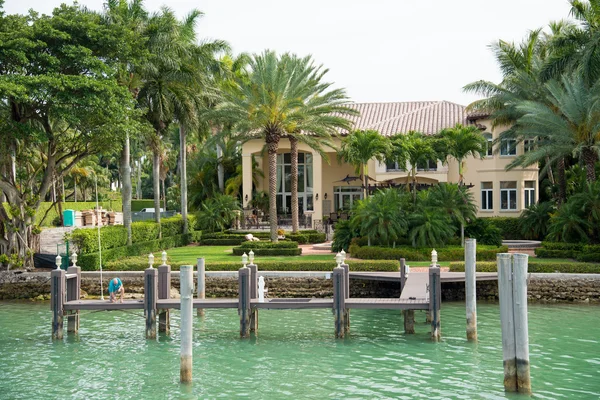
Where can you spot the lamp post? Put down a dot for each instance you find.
(251, 257)
(244, 259)
(343, 253)
(151, 259)
(434, 258)
(74, 258)
(58, 261)
(339, 259)
(164, 258)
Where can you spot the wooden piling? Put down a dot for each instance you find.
(521, 325)
(339, 301)
(505, 294)
(470, 288)
(402, 274)
(164, 292)
(347, 296)
(201, 283)
(253, 295)
(435, 302)
(409, 321)
(73, 293)
(186, 277)
(244, 301)
(57, 298)
(150, 298)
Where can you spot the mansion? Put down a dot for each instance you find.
(327, 186)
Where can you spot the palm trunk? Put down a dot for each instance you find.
(138, 186)
(562, 181)
(272, 148)
(183, 176)
(156, 185)
(414, 185)
(75, 190)
(294, 168)
(590, 158)
(164, 194)
(550, 173)
(365, 169)
(126, 191)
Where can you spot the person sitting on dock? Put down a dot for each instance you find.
(116, 287)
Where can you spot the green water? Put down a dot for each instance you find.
(295, 356)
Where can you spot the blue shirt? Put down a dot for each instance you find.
(112, 287)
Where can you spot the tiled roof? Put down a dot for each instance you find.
(428, 117)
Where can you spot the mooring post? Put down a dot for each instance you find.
(201, 283)
(73, 293)
(409, 321)
(402, 274)
(471, 288)
(186, 279)
(520, 262)
(57, 298)
(347, 296)
(505, 297)
(164, 292)
(435, 297)
(339, 301)
(253, 295)
(150, 298)
(244, 301)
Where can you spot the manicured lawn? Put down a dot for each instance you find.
(190, 254)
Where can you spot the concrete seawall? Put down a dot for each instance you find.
(541, 287)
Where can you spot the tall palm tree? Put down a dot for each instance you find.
(461, 142)
(359, 147)
(267, 105)
(456, 201)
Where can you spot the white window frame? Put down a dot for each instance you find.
(508, 147)
(510, 192)
(488, 195)
(528, 145)
(529, 195)
(397, 168)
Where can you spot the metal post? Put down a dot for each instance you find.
(521, 326)
(253, 295)
(505, 294)
(339, 301)
(346, 296)
(57, 298)
(73, 293)
(402, 274)
(470, 288)
(186, 276)
(201, 283)
(150, 297)
(244, 301)
(435, 294)
(164, 292)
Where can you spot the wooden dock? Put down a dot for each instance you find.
(415, 295)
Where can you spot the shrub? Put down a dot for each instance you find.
(484, 253)
(588, 257)
(284, 244)
(563, 246)
(509, 227)
(545, 253)
(484, 231)
(221, 242)
(305, 238)
(549, 267)
(141, 263)
(238, 251)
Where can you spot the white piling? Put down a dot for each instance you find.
(505, 295)
(201, 284)
(521, 324)
(187, 289)
(470, 288)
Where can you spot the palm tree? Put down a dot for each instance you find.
(429, 225)
(267, 105)
(359, 147)
(534, 220)
(456, 201)
(461, 142)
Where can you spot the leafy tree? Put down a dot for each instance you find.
(568, 225)
(484, 231)
(461, 142)
(534, 220)
(60, 104)
(217, 213)
(344, 232)
(456, 201)
(359, 147)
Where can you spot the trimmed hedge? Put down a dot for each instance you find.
(578, 251)
(305, 238)
(484, 253)
(509, 227)
(545, 253)
(284, 244)
(562, 246)
(220, 242)
(141, 263)
(238, 251)
(91, 261)
(549, 267)
(588, 257)
(137, 205)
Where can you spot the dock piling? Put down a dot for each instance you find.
(73, 293)
(244, 301)
(201, 283)
(512, 287)
(402, 274)
(150, 298)
(164, 292)
(435, 301)
(471, 288)
(339, 301)
(346, 296)
(409, 321)
(187, 288)
(253, 295)
(57, 299)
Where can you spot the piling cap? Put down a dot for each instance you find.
(244, 259)
(151, 259)
(339, 258)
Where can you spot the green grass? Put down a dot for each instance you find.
(190, 254)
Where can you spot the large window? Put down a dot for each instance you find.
(344, 197)
(529, 193)
(508, 147)
(487, 196)
(508, 196)
(488, 141)
(392, 166)
(284, 183)
(528, 145)
(429, 165)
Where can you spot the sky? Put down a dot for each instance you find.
(378, 50)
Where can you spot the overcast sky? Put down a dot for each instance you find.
(379, 50)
